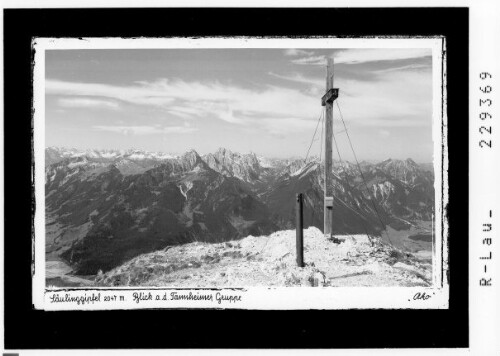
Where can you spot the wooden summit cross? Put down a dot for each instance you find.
(327, 100)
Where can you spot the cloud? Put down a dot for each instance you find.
(310, 60)
(192, 99)
(316, 86)
(297, 52)
(298, 78)
(355, 56)
(403, 68)
(384, 133)
(287, 125)
(145, 130)
(399, 97)
(87, 103)
(351, 56)
(185, 112)
(133, 94)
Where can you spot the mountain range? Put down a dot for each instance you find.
(104, 207)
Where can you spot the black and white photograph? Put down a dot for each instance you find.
(300, 178)
(241, 163)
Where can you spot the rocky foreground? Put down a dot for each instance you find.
(270, 261)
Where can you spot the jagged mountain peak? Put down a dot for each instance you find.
(391, 161)
(191, 159)
(232, 164)
(191, 153)
(224, 153)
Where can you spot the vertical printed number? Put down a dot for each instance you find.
(484, 116)
(484, 143)
(485, 102)
(487, 89)
(484, 128)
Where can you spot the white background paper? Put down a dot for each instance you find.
(484, 172)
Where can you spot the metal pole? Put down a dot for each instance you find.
(299, 227)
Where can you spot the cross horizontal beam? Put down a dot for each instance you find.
(330, 96)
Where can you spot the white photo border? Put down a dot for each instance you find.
(282, 298)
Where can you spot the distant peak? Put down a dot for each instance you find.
(225, 152)
(191, 153)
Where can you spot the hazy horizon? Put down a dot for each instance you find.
(265, 101)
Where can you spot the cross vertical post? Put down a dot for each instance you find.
(327, 100)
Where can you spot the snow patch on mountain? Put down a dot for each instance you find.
(308, 168)
(265, 162)
(77, 163)
(57, 154)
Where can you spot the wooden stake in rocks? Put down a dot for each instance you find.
(299, 228)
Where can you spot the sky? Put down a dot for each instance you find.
(266, 101)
